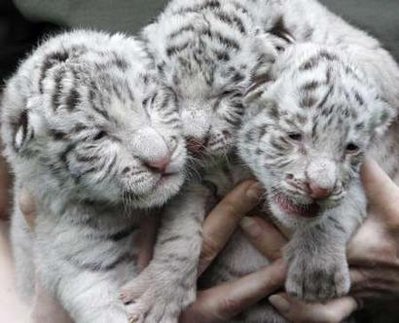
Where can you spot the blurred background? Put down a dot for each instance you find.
(23, 22)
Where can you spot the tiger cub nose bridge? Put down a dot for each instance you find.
(321, 176)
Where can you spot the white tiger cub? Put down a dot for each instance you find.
(208, 53)
(92, 133)
(223, 28)
(304, 136)
(290, 153)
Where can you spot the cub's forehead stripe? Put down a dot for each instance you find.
(317, 59)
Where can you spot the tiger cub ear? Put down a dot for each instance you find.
(382, 116)
(263, 74)
(281, 34)
(268, 46)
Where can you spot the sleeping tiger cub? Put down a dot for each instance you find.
(95, 136)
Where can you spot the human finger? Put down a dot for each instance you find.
(360, 279)
(27, 206)
(382, 193)
(375, 283)
(225, 301)
(264, 236)
(224, 218)
(370, 243)
(145, 240)
(46, 308)
(297, 311)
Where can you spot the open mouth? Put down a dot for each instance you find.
(289, 206)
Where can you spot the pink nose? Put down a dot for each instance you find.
(158, 165)
(317, 192)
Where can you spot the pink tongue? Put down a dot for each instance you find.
(306, 211)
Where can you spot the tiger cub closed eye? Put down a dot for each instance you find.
(91, 132)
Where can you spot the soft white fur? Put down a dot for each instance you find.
(310, 22)
(80, 250)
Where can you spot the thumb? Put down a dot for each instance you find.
(145, 240)
(264, 236)
(382, 193)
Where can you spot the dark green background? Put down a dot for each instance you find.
(380, 17)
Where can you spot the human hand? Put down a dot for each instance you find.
(266, 238)
(374, 251)
(225, 301)
(221, 303)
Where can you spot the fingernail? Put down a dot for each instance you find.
(280, 303)
(254, 191)
(27, 207)
(26, 202)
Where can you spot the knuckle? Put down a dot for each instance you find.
(228, 307)
(208, 250)
(232, 210)
(275, 253)
(359, 280)
(254, 233)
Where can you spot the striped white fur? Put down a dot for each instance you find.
(208, 53)
(190, 42)
(91, 132)
(310, 23)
